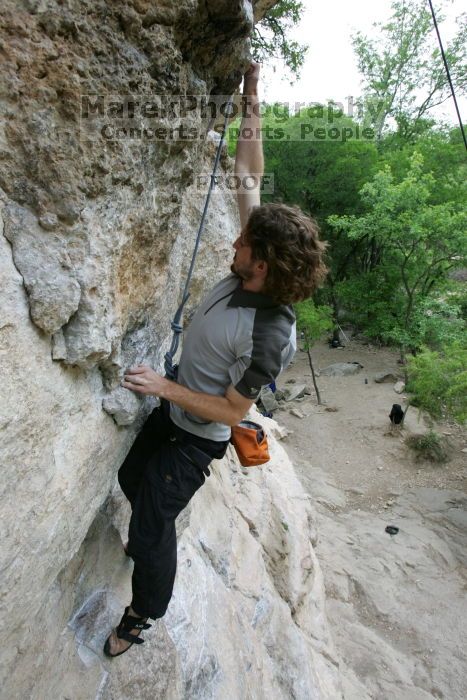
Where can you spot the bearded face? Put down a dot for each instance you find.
(242, 264)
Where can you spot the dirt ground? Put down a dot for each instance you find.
(395, 603)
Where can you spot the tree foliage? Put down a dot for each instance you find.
(438, 381)
(410, 246)
(443, 154)
(313, 321)
(271, 36)
(322, 175)
(403, 71)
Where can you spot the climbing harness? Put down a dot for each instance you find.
(448, 73)
(177, 328)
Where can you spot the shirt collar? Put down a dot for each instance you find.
(255, 300)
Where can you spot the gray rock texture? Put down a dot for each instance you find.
(298, 391)
(96, 236)
(383, 377)
(341, 369)
(396, 612)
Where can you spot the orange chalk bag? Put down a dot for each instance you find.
(250, 443)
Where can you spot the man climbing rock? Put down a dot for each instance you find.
(239, 340)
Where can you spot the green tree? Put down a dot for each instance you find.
(402, 68)
(410, 246)
(271, 36)
(320, 173)
(313, 321)
(443, 155)
(438, 381)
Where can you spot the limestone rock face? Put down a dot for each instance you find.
(96, 236)
(98, 227)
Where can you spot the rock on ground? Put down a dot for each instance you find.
(341, 369)
(298, 391)
(383, 377)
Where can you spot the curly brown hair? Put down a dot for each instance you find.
(289, 242)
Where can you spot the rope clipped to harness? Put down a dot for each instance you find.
(176, 325)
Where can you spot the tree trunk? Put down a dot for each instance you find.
(403, 361)
(335, 308)
(318, 395)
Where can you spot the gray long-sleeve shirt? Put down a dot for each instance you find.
(235, 337)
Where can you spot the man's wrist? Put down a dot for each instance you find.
(166, 390)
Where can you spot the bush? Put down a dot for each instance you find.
(438, 382)
(428, 447)
(313, 320)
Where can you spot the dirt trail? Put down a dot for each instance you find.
(397, 604)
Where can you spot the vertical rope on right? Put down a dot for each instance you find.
(448, 73)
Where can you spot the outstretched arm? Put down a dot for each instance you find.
(249, 161)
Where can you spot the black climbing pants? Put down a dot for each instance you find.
(163, 469)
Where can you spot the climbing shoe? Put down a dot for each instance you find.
(123, 631)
